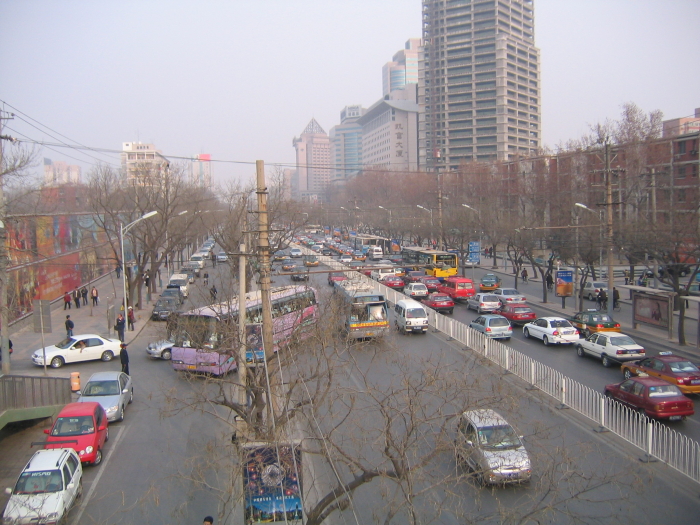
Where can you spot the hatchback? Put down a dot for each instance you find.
(493, 326)
(83, 426)
(416, 290)
(112, 390)
(483, 302)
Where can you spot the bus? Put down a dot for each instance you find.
(366, 313)
(366, 242)
(435, 262)
(206, 339)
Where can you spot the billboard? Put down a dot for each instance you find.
(564, 283)
(651, 309)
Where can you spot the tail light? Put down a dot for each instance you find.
(556, 332)
(620, 352)
(599, 326)
(617, 325)
(488, 329)
(683, 380)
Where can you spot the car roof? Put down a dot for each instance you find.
(553, 318)
(78, 409)
(111, 375)
(669, 358)
(650, 381)
(484, 417)
(493, 316)
(46, 459)
(83, 336)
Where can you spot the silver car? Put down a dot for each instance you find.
(160, 349)
(591, 289)
(509, 296)
(491, 449)
(112, 390)
(483, 302)
(493, 326)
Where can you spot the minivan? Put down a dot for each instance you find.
(410, 316)
(181, 280)
(375, 253)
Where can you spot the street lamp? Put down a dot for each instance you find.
(122, 230)
(429, 210)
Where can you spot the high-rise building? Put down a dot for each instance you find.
(403, 68)
(200, 170)
(142, 163)
(479, 82)
(346, 145)
(59, 172)
(313, 163)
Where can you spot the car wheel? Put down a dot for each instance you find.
(98, 457)
(131, 397)
(79, 493)
(107, 355)
(121, 414)
(526, 333)
(57, 362)
(579, 351)
(452, 311)
(545, 340)
(607, 362)
(627, 373)
(166, 354)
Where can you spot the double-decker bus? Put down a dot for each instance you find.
(365, 314)
(435, 262)
(206, 339)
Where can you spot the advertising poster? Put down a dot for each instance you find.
(651, 309)
(254, 343)
(272, 484)
(565, 283)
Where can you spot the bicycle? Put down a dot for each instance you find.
(617, 306)
(602, 306)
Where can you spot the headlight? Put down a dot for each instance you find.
(88, 450)
(112, 409)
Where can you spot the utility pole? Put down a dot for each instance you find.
(4, 324)
(609, 209)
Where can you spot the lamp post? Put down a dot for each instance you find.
(122, 230)
(429, 210)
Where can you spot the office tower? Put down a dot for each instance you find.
(479, 82)
(59, 172)
(403, 69)
(346, 145)
(200, 170)
(313, 161)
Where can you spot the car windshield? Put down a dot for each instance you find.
(419, 287)
(431, 281)
(66, 343)
(598, 285)
(73, 426)
(499, 322)
(510, 292)
(440, 298)
(522, 310)
(489, 298)
(664, 391)
(39, 482)
(498, 437)
(622, 340)
(464, 286)
(413, 313)
(683, 366)
(560, 323)
(101, 388)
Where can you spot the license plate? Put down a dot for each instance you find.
(675, 418)
(695, 381)
(568, 332)
(370, 334)
(191, 367)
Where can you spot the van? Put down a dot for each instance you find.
(375, 253)
(388, 268)
(410, 316)
(458, 288)
(198, 258)
(181, 280)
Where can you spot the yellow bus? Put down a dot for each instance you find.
(435, 262)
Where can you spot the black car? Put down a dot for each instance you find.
(163, 308)
(679, 269)
(326, 251)
(173, 293)
(300, 274)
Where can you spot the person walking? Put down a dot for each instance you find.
(147, 278)
(627, 277)
(208, 521)
(213, 291)
(76, 297)
(131, 318)
(118, 270)
(206, 278)
(95, 296)
(120, 326)
(616, 298)
(523, 274)
(84, 294)
(550, 281)
(124, 358)
(69, 326)
(66, 301)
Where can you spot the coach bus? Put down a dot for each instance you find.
(206, 339)
(435, 262)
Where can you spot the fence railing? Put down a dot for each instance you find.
(18, 392)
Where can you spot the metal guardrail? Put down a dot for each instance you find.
(21, 392)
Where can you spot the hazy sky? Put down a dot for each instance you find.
(240, 78)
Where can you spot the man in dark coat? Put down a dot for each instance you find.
(69, 326)
(124, 358)
(120, 326)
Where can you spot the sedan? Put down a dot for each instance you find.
(163, 308)
(160, 349)
(87, 347)
(393, 281)
(288, 265)
(222, 257)
(359, 256)
(483, 302)
(440, 302)
(430, 282)
(610, 348)
(489, 282)
(517, 314)
(667, 367)
(296, 253)
(493, 326)
(112, 390)
(591, 289)
(346, 258)
(652, 397)
(300, 274)
(509, 296)
(552, 330)
(336, 277)
(592, 321)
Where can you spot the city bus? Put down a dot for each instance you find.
(367, 243)
(206, 339)
(435, 262)
(365, 313)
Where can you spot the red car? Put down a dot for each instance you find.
(414, 276)
(517, 314)
(82, 427)
(335, 277)
(440, 302)
(430, 282)
(393, 281)
(654, 397)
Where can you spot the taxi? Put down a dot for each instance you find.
(489, 282)
(310, 260)
(668, 367)
(359, 256)
(592, 321)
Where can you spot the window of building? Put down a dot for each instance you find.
(682, 148)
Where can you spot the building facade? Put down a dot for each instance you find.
(682, 125)
(313, 163)
(200, 170)
(403, 68)
(346, 145)
(479, 82)
(142, 163)
(59, 172)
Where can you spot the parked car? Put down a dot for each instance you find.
(113, 390)
(483, 302)
(440, 302)
(493, 326)
(591, 288)
(163, 308)
(174, 293)
(667, 367)
(296, 253)
(679, 269)
(221, 257)
(610, 348)
(85, 425)
(517, 314)
(393, 281)
(46, 489)
(491, 448)
(416, 290)
(431, 283)
(336, 277)
(86, 347)
(592, 321)
(653, 397)
(509, 296)
(552, 330)
(160, 349)
(489, 282)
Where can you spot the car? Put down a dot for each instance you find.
(345, 258)
(592, 321)
(679, 269)
(491, 448)
(163, 308)
(552, 330)
(300, 274)
(85, 347)
(483, 302)
(288, 265)
(189, 269)
(359, 256)
(509, 296)
(190, 273)
(84, 427)
(489, 282)
(160, 349)
(392, 281)
(336, 277)
(326, 251)
(493, 326)
(296, 253)
(310, 260)
(517, 314)
(416, 290)
(668, 367)
(279, 255)
(413, 276)
(653, 397)
(221, 257)
(174, 293)
(591, 288)
(458, 288)
(610, 347)
(316, 248)
(440, 302)
(430, 282)
(48, 486)
(113, 390)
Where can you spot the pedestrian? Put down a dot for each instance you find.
(69, 327)
(76, 297)
(95, 296)
(84, 294)
(206, 278)
(213, 259)
(213, 291)
(147, 278)
(131, 318)
(616, 298)
(602, 300)
(124, 358)
(9, 349)
(627, 277)
(523, 274)
(550, 281)
(120, 325)
(66, 301)
(208, 521)
(118, 270)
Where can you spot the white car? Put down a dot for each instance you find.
(484, 302)
(610, 348)
(113, 390)
(416, 290)
(221, 257)
(509, 296)
(552, 330)
(296, 253)
(346, 258)
(86, 347)
(46, 489)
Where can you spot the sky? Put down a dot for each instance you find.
(239, 79)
